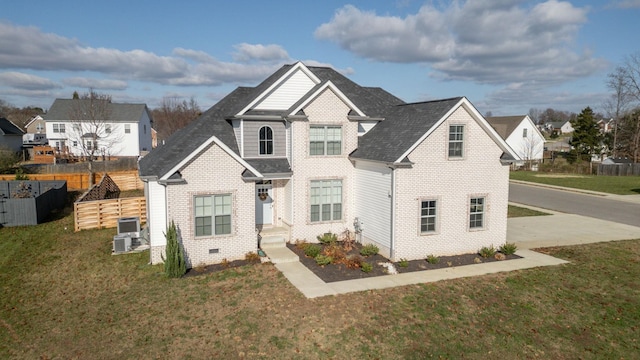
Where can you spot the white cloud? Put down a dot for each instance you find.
(249, 52)
(29, 48)
(486, 42)
(102, 84)
(24, 81)
(420, 37)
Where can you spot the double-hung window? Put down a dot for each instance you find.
(428, 216)
(107, 128)
(58, 128)
(524, 132)
(326, 200)
(127, 128)
(212, 215)
(476, 213)
(266, 140)
(456, 141)
(325, 140)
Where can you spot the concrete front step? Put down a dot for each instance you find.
(271, 242)
(281, 255)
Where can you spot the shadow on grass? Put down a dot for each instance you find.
(637, 191)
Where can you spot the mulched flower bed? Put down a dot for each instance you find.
(208, 269)
(339, 272)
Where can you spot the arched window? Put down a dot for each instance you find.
(266, 141)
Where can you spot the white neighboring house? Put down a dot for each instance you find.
(562, 127)
(308, 151)
(522, 135)
(125, 130)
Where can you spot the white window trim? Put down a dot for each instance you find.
(463, 141)
(485, 212)
(437, 216)
(127, 128)
(325, 141)
(213, 221)
(342, 213)
(266, 140)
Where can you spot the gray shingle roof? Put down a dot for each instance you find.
(62, 110)
(404, 124)
(403, 127)
(504, 125)
(9, 128)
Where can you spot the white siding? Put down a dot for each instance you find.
(290, 91)
(530, 147)
(373, 202)
(117, 143)
(156, 218)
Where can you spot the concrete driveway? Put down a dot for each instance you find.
(561, 229)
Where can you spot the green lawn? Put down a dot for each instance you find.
(517, 211)
(62, 296)
(622, 185)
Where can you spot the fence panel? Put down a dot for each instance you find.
(105, 213)
(619, 169)
(126, 180)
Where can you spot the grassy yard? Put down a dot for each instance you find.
(622, 185)
(517, 211)
(63, 295)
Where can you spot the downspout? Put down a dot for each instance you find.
(393, 214)
(293, 192)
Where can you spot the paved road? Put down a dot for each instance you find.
(576, 203)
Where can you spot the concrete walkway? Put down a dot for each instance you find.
(527, 233)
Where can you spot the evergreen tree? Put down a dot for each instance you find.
(174, 265)
(586, 135)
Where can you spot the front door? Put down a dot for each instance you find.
(264, 204)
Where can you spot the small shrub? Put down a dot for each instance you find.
(369, 250)
(477, 260)
(508, 248)
(225, 263)
(252, 256)
(323, 260)
(328, 238)
(301, 244)
(500, 256)
(432, 259)
(487, 252)
(403, 263)
(366, 267)
(174, 265)
(353, 261)
(20, 175)
(335, 252)
(312, 250)
(348, 239)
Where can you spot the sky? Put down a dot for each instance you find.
(505, 56)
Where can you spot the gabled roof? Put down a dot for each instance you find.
(9, 128)
(62, 109)
(405, 124)
(35, 118)
(505, 125)
(404, 127)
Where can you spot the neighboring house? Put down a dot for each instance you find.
(522, 135)
(562, 127)
(308, 151)
(10, 135)
(617, 161)
(605, 126)
(36, 125)
(121, 130)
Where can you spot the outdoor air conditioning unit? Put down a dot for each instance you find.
(121, 243)
(129, 226)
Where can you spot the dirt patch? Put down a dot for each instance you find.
(340, 272)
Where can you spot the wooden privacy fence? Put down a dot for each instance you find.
(100, 214)
(619, 169)
(126, 180)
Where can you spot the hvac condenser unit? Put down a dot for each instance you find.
(129, 226)
(121, 243)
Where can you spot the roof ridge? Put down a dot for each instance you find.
(432, 101)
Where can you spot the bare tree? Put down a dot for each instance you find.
(530, 149)
(173, 115)
(629, 135)
(617, 105)
(93, 134)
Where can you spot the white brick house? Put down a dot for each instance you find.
(308, 151)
